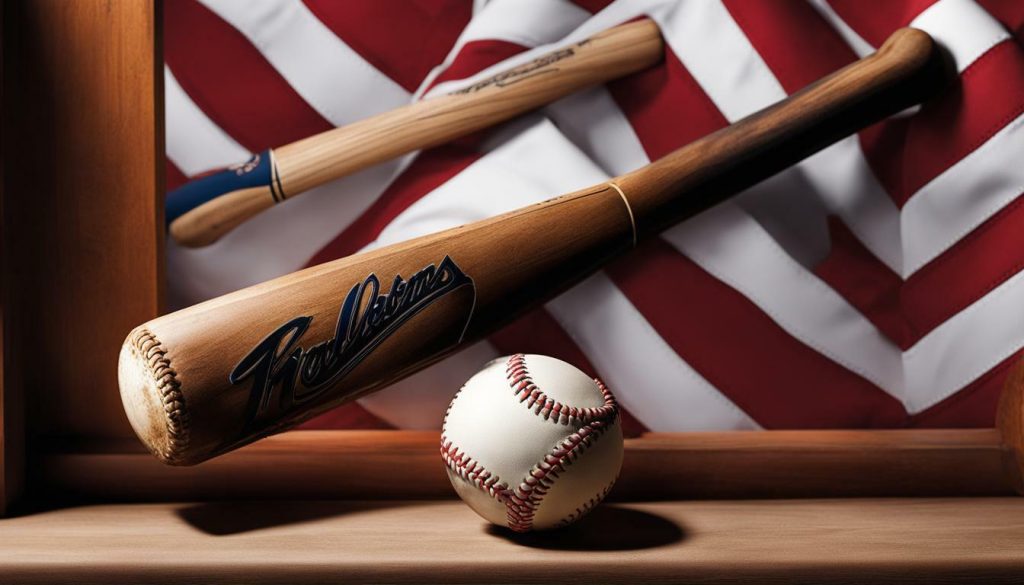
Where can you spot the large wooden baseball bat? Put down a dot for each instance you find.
(202, 211)
(218, 375)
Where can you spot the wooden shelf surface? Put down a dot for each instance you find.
(962, 540)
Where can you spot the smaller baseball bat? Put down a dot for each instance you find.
(202, 211)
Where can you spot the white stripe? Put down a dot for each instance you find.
(329, 75)
(736, 250)
(857, 43)
(648, 377)
(525, 22)
(715, 51)
(194, 142)
(963, 197)
(532, 166)
(966, 346)
(842, 178)
(788, 210)
(965, 29)
(595, 124)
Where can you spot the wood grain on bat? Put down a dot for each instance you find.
(318, 159)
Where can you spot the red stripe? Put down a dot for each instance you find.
(231, 81)
(875, 21)
(770, 375)
(430, 170)
(666, 106)
(404, 39)
(538, 332)
(796, 42)
(977, 264)
(592, 6)
(866, 283)
(1008, 12)
(475, 56)
(175, 178)
(972, 406)
(347, 416)
(907, 155)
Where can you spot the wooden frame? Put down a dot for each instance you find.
(83, 175)
(11, 431)
(658, 466)
(82, 264)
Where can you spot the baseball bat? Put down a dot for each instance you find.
(210, 378)
(203, 210)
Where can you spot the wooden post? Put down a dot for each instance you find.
(83, 210)
(11, 431)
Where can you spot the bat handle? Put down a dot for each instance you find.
(908, 69)
(201, 212)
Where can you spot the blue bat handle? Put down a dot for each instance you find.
(256, 172)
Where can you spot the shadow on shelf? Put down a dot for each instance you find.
(227, 518)
(608, 527)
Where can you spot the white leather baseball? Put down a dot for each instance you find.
(531, 442)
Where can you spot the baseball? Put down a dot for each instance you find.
(532, 443)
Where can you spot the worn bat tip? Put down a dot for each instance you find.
(152, 397)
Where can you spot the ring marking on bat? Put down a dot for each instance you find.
(632, 219)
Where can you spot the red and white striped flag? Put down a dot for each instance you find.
(879, 283)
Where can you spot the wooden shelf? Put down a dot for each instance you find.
(356, 465)
(970, 540)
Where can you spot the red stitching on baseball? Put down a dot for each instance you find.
(526, 390)
(522, 502)
(525, 499)
(470, 470)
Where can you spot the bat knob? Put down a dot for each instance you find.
(152, 396)
(1010, 421)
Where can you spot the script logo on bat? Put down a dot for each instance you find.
(524, 71)
(302, 374)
